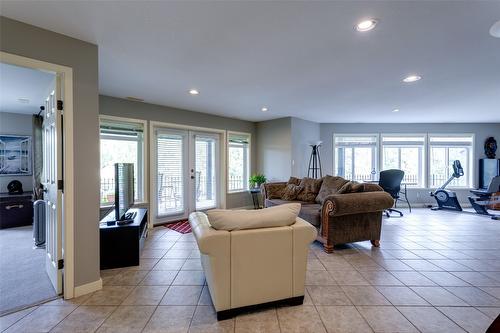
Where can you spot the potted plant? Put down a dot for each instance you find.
(257, 180)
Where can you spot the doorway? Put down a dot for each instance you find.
(187, 172)
(32, 261)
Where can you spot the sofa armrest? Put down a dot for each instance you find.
(210, 241)
(267, 189)
(356, 203)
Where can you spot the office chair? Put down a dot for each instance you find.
(390, 181)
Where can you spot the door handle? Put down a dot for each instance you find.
(14, 206)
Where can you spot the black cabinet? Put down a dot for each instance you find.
(120, 246)
(16, 210)
(488, 168)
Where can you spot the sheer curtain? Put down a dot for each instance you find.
(37, 157)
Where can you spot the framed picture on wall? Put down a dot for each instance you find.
(15, 155)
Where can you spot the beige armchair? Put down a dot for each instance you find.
(245, 268)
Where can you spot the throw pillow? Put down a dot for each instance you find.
(311, 188)
(277, 216)
(330, 186)
(371, 187)
(294, 181)
(275, 191)
(351, 187)
(291, 191)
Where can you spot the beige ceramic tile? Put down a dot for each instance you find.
(365, 295)
(159, 278)
(170, 319)
(429, 320)
(470, 319)
(328, 295)
(86, 318)
(109, 295)
(401, 296)
(146, 295)
(300, 319)
(258, 321)
(127, 319)
(343, 319)
(182, 295)
(43, 319)
(386, 319)
(205, 321)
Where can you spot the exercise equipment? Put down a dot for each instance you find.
(447, 199)
(488, 198)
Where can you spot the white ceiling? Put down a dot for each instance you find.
(23, 83)
(300, 59)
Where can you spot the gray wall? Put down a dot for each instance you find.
(304, 133)
(118, 107)
(32, 42)
(274, 147)
(481, 131)
(19, 124)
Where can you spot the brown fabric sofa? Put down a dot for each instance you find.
(343, 211)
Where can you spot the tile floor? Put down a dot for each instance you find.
(434, 272)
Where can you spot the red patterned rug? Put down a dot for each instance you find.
(182, 226)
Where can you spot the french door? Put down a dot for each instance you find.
(187, 172)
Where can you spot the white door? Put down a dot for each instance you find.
(52, 182)
(187, 172)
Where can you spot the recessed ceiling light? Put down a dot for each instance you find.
(412, 78)
(495, 30)
(395, 110)
(134, 99)
(264, 109)
(366, 25)
(194, 92)
(23, 100)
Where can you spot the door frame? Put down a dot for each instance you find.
(152, 162)
(68, 160)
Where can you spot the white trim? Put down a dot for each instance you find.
(68, 204)
(88, 288)
(145, 153)
(152, 164)
(249, 160)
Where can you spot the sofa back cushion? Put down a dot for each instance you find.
(274, 190)
(310, 190)
(291, 192)
(331, 185)
(277, 216)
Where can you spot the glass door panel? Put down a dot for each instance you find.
(171, 173)
(205, 169)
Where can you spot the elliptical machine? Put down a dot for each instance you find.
(448, 199)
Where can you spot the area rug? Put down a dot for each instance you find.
(182, 226)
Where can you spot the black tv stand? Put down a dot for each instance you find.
(120, 245)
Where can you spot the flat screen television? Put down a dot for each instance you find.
(124, 188)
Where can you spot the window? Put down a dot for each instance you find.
(121, 142)
(405, 152)
(356, 156)
(238, 161)
(443, 150)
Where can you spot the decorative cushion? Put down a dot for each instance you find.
(311, 188)
(274, 191)
(330, 185)
(372, 187)
(291, 191)
(351, 187)
(294, 181)
(277, 216)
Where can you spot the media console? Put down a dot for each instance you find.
(120, 245)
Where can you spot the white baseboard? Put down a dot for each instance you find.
(88, 288)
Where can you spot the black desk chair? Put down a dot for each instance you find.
(390, 181)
